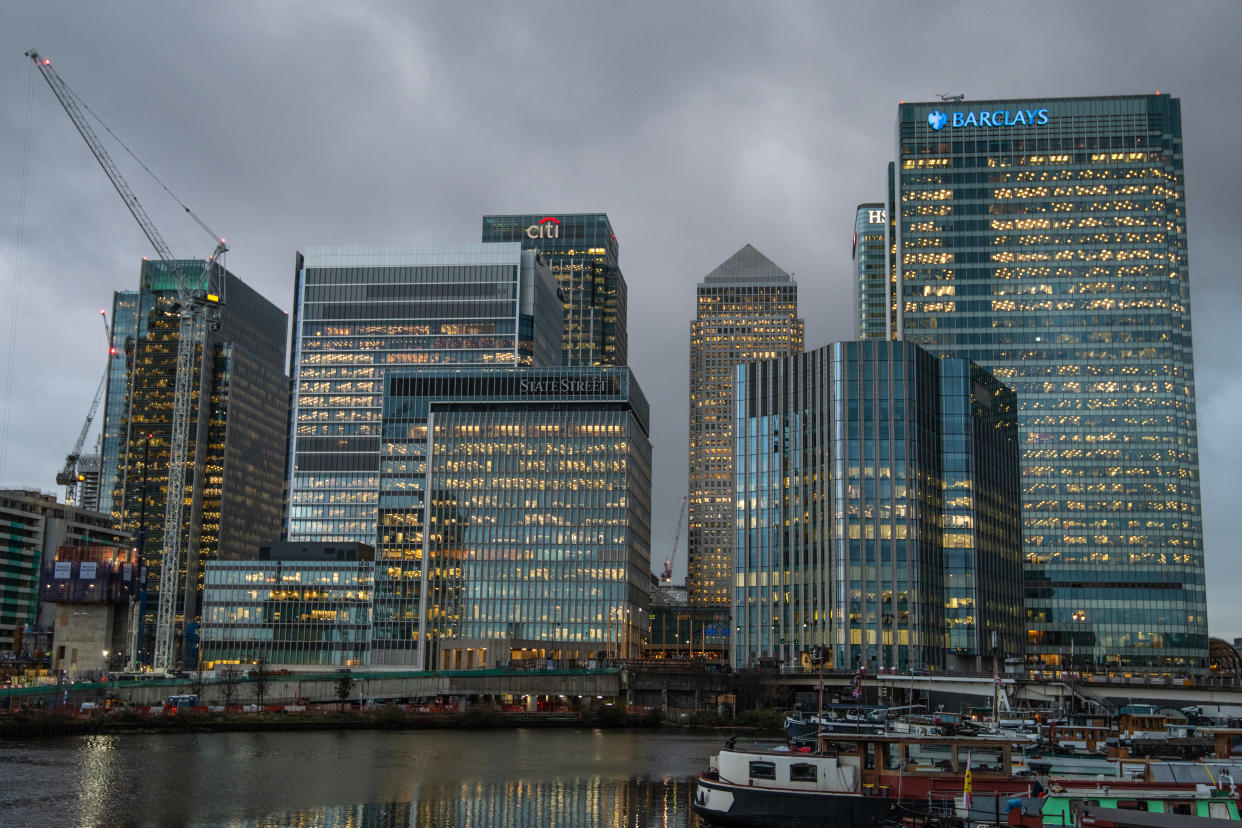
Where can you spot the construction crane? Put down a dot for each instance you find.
(666, 577)
(197, 306)
(69, 476)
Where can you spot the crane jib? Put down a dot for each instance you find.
(198, 302)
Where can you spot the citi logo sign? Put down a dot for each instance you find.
(938, 120)
(547, 228)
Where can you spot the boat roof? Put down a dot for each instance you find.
(1123, 816)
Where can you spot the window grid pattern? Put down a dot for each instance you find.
(360, 312)
(583, 255)
(1055, 256)
(858, 466)
(514, 517)
(747, 309)
(233, 477)
(287, 612)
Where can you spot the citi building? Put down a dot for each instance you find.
(582, 251)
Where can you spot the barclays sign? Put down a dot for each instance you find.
(938, 120)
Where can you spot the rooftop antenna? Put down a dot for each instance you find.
(944, 96)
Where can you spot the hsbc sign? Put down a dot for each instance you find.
(548, 228)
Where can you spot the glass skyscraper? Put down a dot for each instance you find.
(877, 510)
(1046, 241)
(359, 311)
(747, 309)
(877, 309)
(582, 251)
(234, 477)
(514, 515)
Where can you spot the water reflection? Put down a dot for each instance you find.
(578, 803)
(439, 779)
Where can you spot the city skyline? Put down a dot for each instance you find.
(682, 190)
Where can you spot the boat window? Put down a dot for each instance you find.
(802, 772)
(762, 770)
(981, 759)
(1220, 810)
(892, 756)
(1179, 808)
(924, 756)
(1132, 804)
(845, 747)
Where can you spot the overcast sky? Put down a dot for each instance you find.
(698, 127)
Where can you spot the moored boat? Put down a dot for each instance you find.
(1157, 804)
(854, 779)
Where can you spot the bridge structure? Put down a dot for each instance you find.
(1056, 691)
(662, 685)
(297, 688)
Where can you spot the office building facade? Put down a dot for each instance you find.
(747, 309)
(877, 511)
(1046, 241)
(514, 517)
(581, 249)
(234, 475)
(41, 531)
(299, 605)
(360, 311)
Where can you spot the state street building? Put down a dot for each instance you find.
(877, 511)
(1046, 241)
(514, 517)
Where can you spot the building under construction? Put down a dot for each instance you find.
(235, 458)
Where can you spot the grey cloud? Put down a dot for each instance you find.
(697, 126)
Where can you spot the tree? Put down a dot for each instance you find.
(344, 688)
(260, 683)
(197, 681)
(229, 678)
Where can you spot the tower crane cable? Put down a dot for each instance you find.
(140, 163)
(198, 309)
(17, 282)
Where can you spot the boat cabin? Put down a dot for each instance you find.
(1138, 806)
(905, 765)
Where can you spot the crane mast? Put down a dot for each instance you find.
(68, 476)
(196, 307)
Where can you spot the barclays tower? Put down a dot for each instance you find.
(1045, 240)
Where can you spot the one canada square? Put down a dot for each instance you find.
(1046, 241)
(747, 309)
